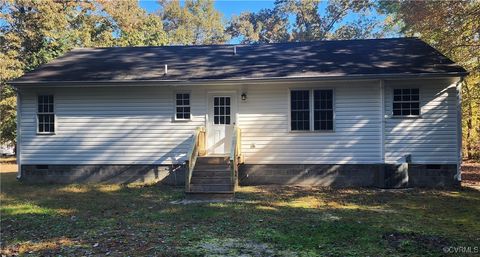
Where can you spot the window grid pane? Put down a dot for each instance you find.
(406, 102)
(221, 110)
(45, 114)
(323, 109)
(300, 110)
(182, 102)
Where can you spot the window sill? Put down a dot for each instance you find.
(405, 117)
(311, 131)
(181, 120)
(45, 133)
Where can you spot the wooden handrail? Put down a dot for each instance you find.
(197, 148)
(235, 155)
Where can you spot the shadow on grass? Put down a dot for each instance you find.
(140, 220)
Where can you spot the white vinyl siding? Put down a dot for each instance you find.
(266, 136)
(429, 138)
(121, 125)
(136, 125)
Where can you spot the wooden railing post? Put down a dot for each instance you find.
(202, 142)
(198, 141)
(187, 176)
(239, 144)
(235, 155)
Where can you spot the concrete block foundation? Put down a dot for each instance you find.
(352, 175)
(334, 175)
(118, 174)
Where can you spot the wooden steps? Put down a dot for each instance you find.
(208, 160)
(211, 179)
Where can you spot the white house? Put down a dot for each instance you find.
(381, 112)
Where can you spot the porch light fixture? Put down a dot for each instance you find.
(244, 97)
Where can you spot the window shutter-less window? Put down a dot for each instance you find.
(45, 114)
(305, 102)
(182, 106)
(300, 110)
(406, 102)
(323, 110)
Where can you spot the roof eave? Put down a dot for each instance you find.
(234, 81)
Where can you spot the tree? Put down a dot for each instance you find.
(8, 105)
(194, 23)
(34, 32)
(313, 20)
(266, 26)
(452, 27)
(133, 25)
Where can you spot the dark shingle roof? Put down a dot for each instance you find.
(397, 56)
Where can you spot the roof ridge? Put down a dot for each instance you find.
(253, 44)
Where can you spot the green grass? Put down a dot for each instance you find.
(71, 220)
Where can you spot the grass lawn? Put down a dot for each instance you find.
(136, 220)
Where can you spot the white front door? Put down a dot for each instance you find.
(221, 120)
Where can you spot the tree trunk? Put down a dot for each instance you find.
(477, 124)
(469, 111)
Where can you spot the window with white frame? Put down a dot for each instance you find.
(323, 110)
(45, 114)
(311, 110)
(406, 102)
(300, 110)
(182, 106)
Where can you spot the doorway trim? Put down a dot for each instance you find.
(209, 106)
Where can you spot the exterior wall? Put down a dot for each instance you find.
(432, 138)
(115, 126)
(266, 136)
(125, 125)
(120, 125)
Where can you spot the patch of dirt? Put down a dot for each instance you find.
(330, 217)
(397, 240)
(186, 201)
(471, 174)
(233, 247)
